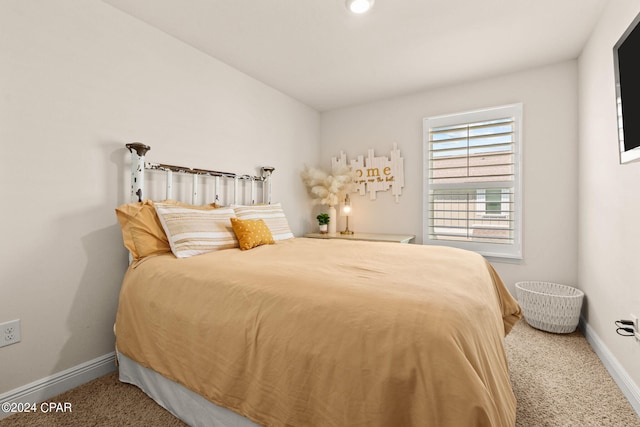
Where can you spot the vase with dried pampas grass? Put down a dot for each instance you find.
(327, 189)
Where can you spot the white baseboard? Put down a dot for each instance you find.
(53, 385)
(628, 387)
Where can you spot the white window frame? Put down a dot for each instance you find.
(513, 250)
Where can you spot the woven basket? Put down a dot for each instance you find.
(550, 306)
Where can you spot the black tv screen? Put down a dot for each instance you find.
(627, 68)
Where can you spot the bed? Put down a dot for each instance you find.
(313, 332)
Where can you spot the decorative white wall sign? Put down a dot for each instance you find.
(375, 173)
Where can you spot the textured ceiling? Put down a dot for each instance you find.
(324, 56)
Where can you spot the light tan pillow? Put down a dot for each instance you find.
(142, 231)
(251, 233)
(273, 216)
(196, 231)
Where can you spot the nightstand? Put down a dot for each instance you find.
(370, 237)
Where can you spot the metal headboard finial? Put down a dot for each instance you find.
(139, 148)
(267, 170)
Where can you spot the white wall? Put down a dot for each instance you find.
(609, 195)
(78, 80)
(549, 97)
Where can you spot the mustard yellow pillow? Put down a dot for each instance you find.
(142, 232)
(251, 233)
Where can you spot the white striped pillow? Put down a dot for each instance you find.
(272, 215)
(195, 231)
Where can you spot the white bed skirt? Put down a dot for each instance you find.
(190, 407)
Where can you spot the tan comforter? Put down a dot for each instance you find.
(328, 333)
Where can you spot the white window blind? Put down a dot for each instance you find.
(472, 181)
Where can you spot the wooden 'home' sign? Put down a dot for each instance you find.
(375, 173)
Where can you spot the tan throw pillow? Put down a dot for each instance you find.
(196, 231)
(251, 233)
(273, 216)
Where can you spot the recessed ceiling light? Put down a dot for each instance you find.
(359, 6)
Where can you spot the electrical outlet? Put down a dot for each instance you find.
(10, 332)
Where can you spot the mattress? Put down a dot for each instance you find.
(311, 332)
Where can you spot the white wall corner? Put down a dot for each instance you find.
(628, 387)
(53, 385)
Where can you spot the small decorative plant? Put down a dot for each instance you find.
(323, 222)
(323, 219)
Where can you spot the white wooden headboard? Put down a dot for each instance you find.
(139, 167)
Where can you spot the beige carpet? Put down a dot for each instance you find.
(557, 379)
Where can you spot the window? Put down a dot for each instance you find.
(493, 202)
(472, 196)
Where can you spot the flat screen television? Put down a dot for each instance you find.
(626, 55)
